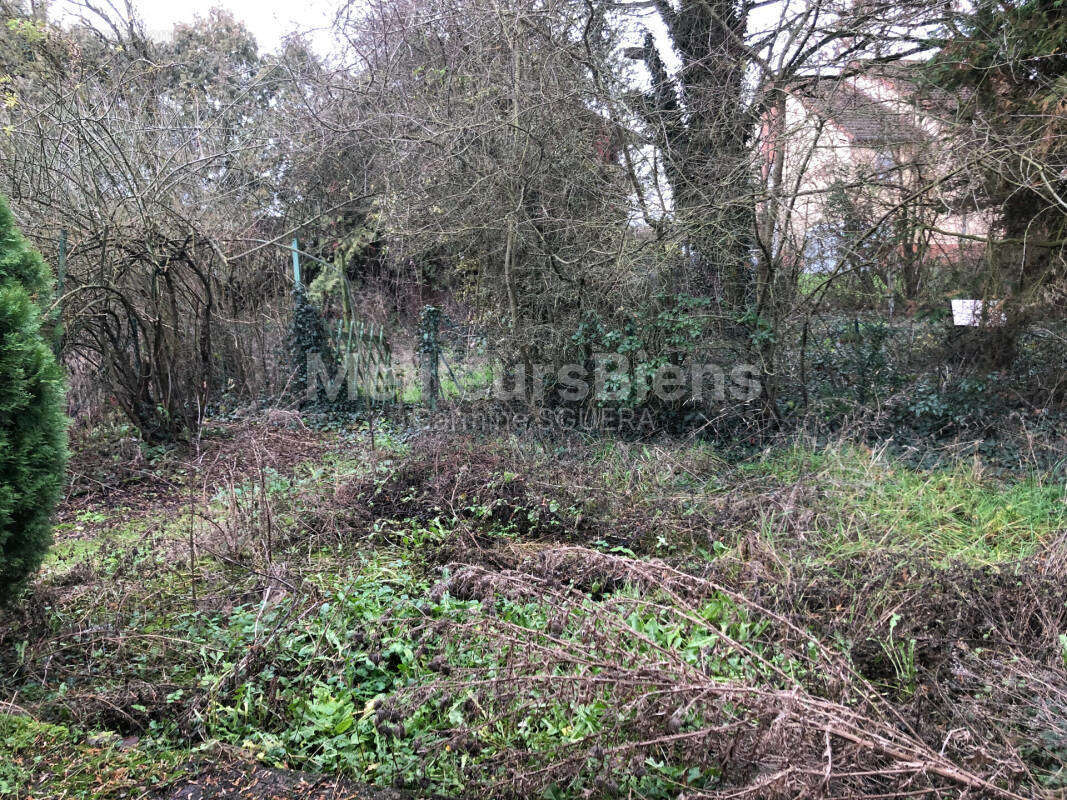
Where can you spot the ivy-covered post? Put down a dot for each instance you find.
(307, 333)
(429, 350)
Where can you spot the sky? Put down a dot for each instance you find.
(268, 20)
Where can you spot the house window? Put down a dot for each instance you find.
(822, 249)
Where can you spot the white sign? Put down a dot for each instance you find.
(970, 313)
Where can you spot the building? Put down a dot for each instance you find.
(869, 181)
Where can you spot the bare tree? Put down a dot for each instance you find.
(161, 163)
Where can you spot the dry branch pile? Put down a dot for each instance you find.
(759, 706)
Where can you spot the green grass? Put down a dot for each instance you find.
(39, 760)
(333, 668)
(92, 531)
(472, 380)
(868, 500)
(310, 702)
(411, 393)
(464, 384)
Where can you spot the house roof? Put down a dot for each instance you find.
(866, 120)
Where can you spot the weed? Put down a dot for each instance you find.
(901, 655)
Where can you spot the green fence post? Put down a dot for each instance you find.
(296, 261)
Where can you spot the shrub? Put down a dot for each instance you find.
(32, 422)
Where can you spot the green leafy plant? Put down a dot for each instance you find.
(901, 655)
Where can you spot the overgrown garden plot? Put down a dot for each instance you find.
(443, 616)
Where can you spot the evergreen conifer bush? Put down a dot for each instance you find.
(32, 420)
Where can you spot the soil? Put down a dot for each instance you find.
(255, 782)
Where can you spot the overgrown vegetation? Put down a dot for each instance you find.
(496, 619)
(536, 398)
(570, 212)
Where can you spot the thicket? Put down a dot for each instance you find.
(557, 193)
